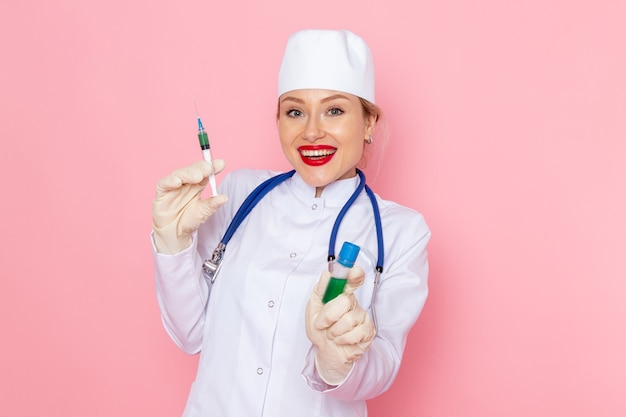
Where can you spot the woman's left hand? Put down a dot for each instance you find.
(340, 329)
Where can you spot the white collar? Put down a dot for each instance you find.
(334, 194)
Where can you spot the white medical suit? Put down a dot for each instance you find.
(249, 326)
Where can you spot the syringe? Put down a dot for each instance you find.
(206, 152)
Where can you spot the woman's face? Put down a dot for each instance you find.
(322, 133)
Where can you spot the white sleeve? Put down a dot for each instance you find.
(182, 293)
(181, 287)
(400, 299)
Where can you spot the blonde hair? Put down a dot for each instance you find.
(379, 135)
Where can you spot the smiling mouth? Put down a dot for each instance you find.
(317, 153)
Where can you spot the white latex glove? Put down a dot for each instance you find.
(340, 329)
(178, 209)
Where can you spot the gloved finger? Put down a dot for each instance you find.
(362, 334)
(207, 207)
(356, 277)
(192, 174)
(314, 306)
(347, 323)
(218, 165)
(196, 173)
(333, 310)
(320, 288)
(352, 353)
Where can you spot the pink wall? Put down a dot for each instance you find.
(508, 131)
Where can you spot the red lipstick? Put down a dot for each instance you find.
(316, 155)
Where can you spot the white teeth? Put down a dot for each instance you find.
(317, 152)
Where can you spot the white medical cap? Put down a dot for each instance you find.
(329, 60)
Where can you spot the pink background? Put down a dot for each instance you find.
(507, 130)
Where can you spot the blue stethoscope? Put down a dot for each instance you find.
(211, 267)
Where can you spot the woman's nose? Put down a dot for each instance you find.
(313, 130)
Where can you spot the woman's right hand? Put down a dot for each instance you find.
(178, 209)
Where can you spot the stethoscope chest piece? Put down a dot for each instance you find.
(211, 267)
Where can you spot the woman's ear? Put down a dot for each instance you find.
(370, 124)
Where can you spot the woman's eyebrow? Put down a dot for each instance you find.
(334, 97)
(324, 100)
(290, 98)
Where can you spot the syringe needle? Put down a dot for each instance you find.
(195, 106)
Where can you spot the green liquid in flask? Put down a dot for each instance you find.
(335, 287)
(336, 284)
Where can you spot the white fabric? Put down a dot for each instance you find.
(255, 357)
(329, 60)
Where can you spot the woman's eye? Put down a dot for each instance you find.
(335, 111)
(294, 113)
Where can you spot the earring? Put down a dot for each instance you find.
(369, 140)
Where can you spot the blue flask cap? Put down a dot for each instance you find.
(347, 255)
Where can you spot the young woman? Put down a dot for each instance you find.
(269, 346)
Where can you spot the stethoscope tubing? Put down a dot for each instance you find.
(211, 267)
